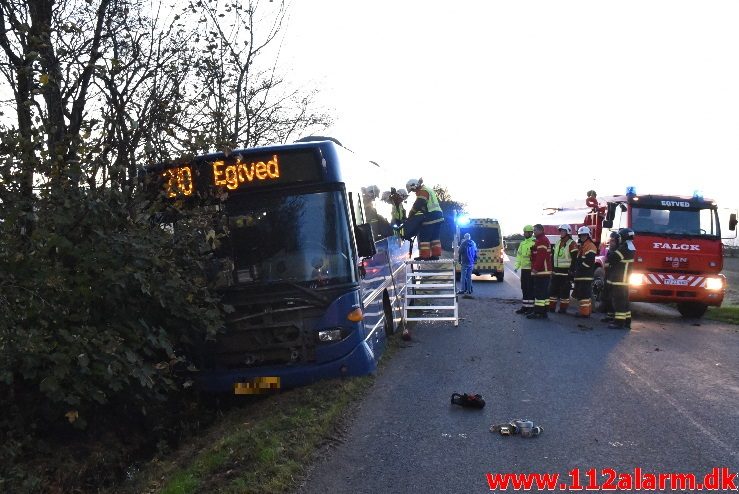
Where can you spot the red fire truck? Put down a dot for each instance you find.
(679, 254)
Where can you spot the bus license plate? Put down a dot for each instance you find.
(257, 385)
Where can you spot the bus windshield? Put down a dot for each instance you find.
(693, 222)
(299, 239)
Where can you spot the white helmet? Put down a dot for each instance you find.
(403, 194)
(413, 184)
(372, 192)
(565, 228)
(386, 196)
(583, 230)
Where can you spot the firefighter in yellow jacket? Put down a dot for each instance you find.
(564, 251)
(427, 210)
(523, 262)
(398, 215)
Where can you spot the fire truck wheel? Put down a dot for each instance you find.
(692, 310)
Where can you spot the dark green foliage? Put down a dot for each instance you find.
(450, 208)
(100, 313)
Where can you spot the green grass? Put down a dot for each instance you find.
(260, 445)
(263, 447)
(728, 314)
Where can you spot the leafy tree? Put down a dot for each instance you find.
(451, 209)
(100, 308)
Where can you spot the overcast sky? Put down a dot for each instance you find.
(519, 104)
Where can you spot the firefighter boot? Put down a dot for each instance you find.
(522, 310)
(552, 305)
(617, 324)
(563, 307)
(608, 318)
(627, 323)
(584, 311)
(539, 312)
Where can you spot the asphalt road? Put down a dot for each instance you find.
(663, 397)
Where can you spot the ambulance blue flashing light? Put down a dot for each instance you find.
(630, 190)
(697, 195)
(463, 220)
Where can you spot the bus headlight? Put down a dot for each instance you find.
(329, 335)
(636, 279)
(714, 283)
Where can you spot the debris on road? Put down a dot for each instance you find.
(468, 400)
(525, 428)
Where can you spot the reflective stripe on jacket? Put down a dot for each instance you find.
(619, 265)
(585, 262)
(523, 254)
(564, 253)
(541, 260)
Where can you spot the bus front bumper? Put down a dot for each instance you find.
(258, 380)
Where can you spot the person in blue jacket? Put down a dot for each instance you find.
(467, 257)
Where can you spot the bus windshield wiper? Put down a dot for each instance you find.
(307, 291)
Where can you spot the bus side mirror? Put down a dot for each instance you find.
(732, 221)
(365, 240)
(607, 223)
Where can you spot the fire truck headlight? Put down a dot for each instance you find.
(714, 283)
(636, 279)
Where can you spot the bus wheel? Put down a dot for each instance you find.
(599, 284)
(692, 310)
(387, 308)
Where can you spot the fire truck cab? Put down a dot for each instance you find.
(679, 254)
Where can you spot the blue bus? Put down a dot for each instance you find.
(305, 256)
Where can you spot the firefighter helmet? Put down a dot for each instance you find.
(372, 192)
(614, 235)
(403, 194)
(583, 230)
(626, 234)
(386, 196)
(413, 184)
(566, 228)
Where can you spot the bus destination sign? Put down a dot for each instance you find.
(240, 172)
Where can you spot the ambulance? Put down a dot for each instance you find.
(489, 239)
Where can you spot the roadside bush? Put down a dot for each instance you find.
(99, 308)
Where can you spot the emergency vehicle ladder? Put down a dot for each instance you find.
(430, 291)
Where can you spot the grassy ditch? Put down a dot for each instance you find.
(729, 314)
(264, 447)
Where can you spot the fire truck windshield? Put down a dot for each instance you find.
(683, 222)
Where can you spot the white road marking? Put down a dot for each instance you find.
(682, 411)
